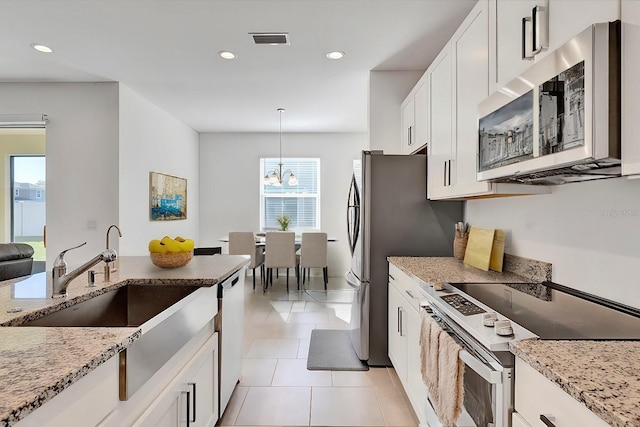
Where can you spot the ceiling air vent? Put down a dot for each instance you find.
(270, 38)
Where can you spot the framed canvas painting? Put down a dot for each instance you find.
(167, 197)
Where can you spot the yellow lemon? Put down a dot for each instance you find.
(171, 244)
(187, 245)
(156, 246)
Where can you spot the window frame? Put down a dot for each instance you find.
(283, 194)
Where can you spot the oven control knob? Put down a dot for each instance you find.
(489, 319)
(503, 328)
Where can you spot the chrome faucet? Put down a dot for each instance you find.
(107, 267)
(60, 277)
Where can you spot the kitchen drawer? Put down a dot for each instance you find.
(407, 286)
(535, 395)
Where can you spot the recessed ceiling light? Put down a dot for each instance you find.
(336, 54)
(225, 54)
(41, 48)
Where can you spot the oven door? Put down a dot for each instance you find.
(488, 399)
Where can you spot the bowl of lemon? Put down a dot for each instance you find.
(171, 253)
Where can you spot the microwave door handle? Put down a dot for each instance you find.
(526, 35)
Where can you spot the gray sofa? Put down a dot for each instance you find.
(16, 259)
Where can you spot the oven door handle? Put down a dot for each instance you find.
(488, 374)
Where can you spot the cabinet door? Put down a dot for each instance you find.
(630, 87)
(191, 398)
(518, 421)
(508, 39)
(567, 19)
(417, 390)
(421, 116)
(408, 129)
(470, 49)
(440, 119)
(397, 333)
(202, 382)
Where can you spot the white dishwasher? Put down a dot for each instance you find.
(230, 328)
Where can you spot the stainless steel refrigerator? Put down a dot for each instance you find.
(388, 214)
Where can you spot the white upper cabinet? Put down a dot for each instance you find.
(440, 119)
(458, 81)
(415, 119)
(407, 132)
(631, 88)
(565, 19)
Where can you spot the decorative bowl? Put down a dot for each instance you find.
(171, 260)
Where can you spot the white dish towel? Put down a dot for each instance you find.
(442, 371)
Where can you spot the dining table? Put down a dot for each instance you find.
(260, 239)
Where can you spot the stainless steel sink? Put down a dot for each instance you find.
(169, 316)
(130, 305)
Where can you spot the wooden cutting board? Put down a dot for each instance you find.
(497, 251)
(478, 253)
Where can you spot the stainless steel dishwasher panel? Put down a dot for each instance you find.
(163, 336)
(230, 327)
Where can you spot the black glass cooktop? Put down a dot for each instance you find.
(553, 311)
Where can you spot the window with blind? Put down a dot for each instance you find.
(300, 202)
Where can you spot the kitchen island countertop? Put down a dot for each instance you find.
(37, 363)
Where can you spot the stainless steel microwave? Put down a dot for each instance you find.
(560, 120)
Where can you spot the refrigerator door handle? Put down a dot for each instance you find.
(352, 280)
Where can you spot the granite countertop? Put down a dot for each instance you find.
(448, 269)
(37, 363)
(601, 374)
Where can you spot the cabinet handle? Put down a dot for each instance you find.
(193, 388)
(444, 177)
(409, 139)
(392, 278)
(540, 30)
(449, 180)
(548, 420)
(188, 393)
(526, 35)
(401, 328)
(410, 294)
(399, 321)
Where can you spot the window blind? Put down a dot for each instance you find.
(300, 203)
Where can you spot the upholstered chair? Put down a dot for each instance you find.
(313, 254)
(280, 252)
(244, 243)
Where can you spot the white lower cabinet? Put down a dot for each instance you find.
(518, 421)
(536, 396)
(190, 399)
(404, 338)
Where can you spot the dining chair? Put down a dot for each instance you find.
(244, 243)
(313, 254)
(280, 252)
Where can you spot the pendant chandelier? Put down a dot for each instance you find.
(276, 176)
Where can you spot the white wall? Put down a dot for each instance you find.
(230, 183)
(589, 231)
(387, 90)
(82, 159)
(153, 140)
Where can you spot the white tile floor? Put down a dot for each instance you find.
(276, 389)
